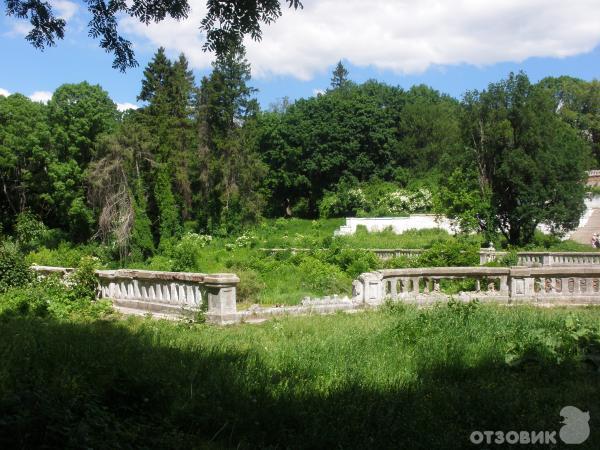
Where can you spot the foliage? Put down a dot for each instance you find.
(14, 271)
(348, 136)
(83, 281)
(52, 298)
(573, 340)
(374, 199)
(30, 232)
(342, 203)
(185, 253)
(450, 253)
(529, 164)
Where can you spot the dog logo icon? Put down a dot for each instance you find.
(576, 428)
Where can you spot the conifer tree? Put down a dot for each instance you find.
(228, 172)
(339, 76)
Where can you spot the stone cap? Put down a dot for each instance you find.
(149, 275)
(563, 271)
(446, 271)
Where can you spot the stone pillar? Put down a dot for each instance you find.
(373, 287)
(221, 290)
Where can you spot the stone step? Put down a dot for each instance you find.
(583, 235)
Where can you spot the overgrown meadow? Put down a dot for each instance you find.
(397, 378)
(309, 260)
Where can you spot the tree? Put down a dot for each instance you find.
(78, 115)
(25, 157)
(224, 21)
(339, 76)
(578, 104)
(347, 135)
(228, 172)
(530, 163)
(169, 88)
(116, 190)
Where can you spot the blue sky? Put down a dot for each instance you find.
(451, 45)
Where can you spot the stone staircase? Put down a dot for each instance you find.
(584, 233)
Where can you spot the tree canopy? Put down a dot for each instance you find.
(530, 165)
(225, 21)
(202, 157)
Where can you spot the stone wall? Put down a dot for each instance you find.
(397, 224)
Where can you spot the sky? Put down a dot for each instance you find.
(451, 45)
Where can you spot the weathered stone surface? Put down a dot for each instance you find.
(164, 294)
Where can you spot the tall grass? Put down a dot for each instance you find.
(397, 378)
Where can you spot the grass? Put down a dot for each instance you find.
(388, 239)
(397, 378)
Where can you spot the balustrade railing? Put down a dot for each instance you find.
(170, 294)
(574, 284)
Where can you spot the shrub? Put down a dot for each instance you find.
(14, 271)
(186, 252)
(323, 278)
(404, 201)
(83, 281)
(352, 261)
(343, 202)
(29, 231)
(249, 287)
(449, 253)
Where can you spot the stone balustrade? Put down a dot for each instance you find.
(176, 294)
(554, 285)
(164, 294)
(528, 259)
(545, 259)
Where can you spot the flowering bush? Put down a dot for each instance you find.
(245, 240)
(343, 203)
(405, 201)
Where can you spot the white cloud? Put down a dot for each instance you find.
(125, 106)
(4, 92)
(404, 36)
(41, 96)
(318, 92)
(64, 8)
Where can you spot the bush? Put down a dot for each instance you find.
(67, 255)
(403, 201)
(448, 254)
(249, 287)
(343, 202)
(29, 231)
(352, 261)
(323, 278)
(14, 271)
(52, 297)
(83, 281)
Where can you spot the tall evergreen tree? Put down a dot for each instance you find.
(225, 105)
(339, 77)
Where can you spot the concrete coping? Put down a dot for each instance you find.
(562, 271)
(130, 274)
(446, 271)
